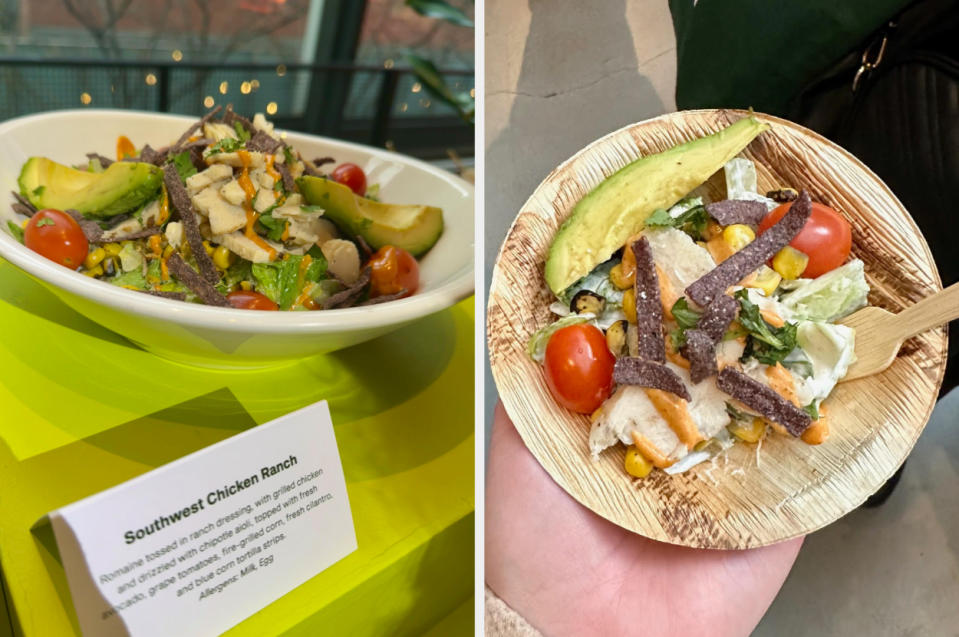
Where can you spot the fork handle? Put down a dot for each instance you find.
(932, 311)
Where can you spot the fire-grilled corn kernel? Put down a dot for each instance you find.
(636, 464)
(765, 279)
(748, 432)
(222, 257)
(94, 258)
(94, 272)
(209, 248)
(713, 229)
(790, 263)
(113, 249)
(618, 278)
(738, 236)
(167, 252)
(246, 285)
(629, 305)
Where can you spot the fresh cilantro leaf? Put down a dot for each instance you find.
(274, 227)
(812, 409)
(241, 132)
(660, 218)
(16, 231)
(767, 344)
(693, 222)
(226, 145)
(46, 221)
(288, 155)
(183, 165)
(686, 318)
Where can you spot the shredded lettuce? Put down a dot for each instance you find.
(130, 257)
(281, 280)
(536, 348)
(831, 349)
(829, 297)
(741, 182)
(132, 279)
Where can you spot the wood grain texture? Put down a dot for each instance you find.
(742, 498)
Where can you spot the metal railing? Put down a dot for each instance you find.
(364, 103)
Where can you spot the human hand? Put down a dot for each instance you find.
(568, 571)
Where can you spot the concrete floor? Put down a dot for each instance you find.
(562, 73)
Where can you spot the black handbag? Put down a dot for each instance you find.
(894, 103)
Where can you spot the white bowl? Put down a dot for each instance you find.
(225, 337)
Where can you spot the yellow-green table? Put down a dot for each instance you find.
(81, 409)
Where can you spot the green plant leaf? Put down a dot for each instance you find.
(441, 10)
(436, 86)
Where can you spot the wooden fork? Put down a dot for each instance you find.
(880, 334)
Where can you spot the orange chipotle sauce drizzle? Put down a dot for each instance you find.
(164, 207)
(675, 411)
(251, 215)
(277, 179)
(304, 297)
(818, 431)
(650, 452)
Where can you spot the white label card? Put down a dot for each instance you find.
(196, 546)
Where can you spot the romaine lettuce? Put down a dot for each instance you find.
(829, 297)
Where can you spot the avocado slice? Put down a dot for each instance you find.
(415, 228)
(617, 208)
(122, 187)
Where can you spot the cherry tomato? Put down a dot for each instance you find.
(56, 236)
(394, 269)
(826, 238)
(249, 300)
(352, 176)
(579, 367)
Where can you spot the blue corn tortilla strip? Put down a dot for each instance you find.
(717, 316)
(180, 200)
(630, 370)
(188, 133)
(351, 295)
(649, 307)
(743, 211)
(197, 284)
(763, 400)
(763, 248)
(91, 229)
(700, 350)
(261, 142)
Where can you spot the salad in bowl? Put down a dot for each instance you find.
(292, 243)
(229, 215)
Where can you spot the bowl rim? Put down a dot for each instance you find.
(458, 285)
(497, 280)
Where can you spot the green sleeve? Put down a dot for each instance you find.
(760, 53)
